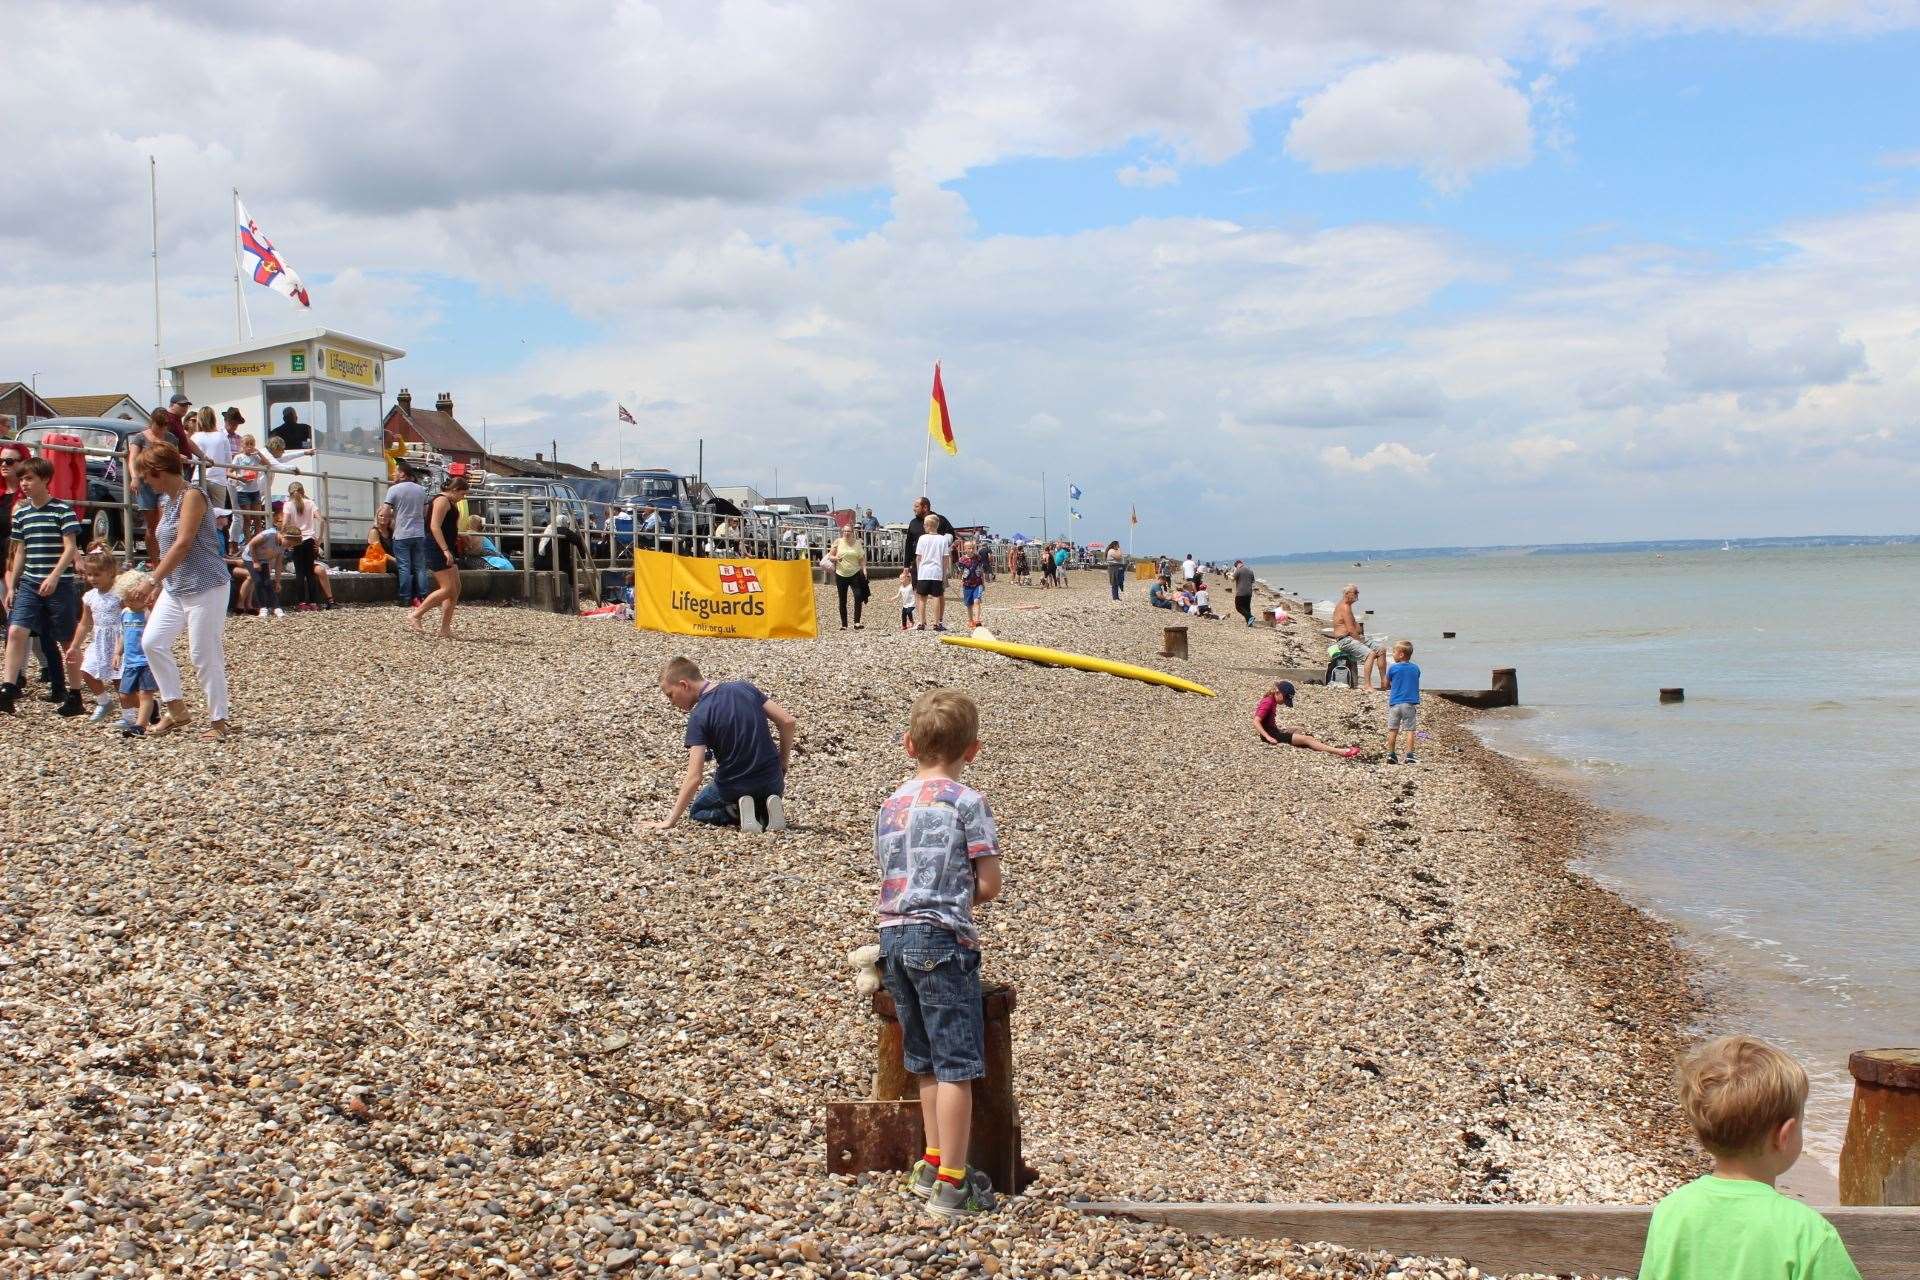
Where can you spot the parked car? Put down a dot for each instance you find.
(508, 501)
(106, 482)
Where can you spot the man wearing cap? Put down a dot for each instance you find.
(218, 447)
(177, 424)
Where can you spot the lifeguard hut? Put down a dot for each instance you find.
(335, 383)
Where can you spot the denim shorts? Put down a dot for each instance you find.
(935, 985)
(971, 596)
(52, 616)
(145, 497)
(135, 679)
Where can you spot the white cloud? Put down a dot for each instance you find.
(1540, 453)
(1389, 455)
(1147, 175)
(1900, 159)
(1723, 358)
(1447, 115)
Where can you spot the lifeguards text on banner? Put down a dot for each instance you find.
(718, 596)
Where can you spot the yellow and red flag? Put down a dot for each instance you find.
(939, 424)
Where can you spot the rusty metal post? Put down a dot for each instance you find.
(1880, 1161)
(1173, 642)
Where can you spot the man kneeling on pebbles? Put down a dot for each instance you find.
(729, 720)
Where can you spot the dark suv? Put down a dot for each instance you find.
(510, 500)
(105, 478)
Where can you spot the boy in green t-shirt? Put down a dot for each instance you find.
(1746, 1101)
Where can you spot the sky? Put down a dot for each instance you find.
(1278, 275)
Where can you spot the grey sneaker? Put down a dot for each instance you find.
(920, 1181)
(776, 814)
(102, 712)
(975, 1195)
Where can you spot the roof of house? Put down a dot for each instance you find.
(86, 406)
(502, 465)
(441, 430)
(8, 388)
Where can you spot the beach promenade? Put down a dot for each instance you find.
(391, 984)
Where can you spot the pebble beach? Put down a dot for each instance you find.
(392, 984)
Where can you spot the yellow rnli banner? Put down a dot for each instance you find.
(695, 596)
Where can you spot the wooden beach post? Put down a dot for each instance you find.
(884, 1131)
(1673, 695)
(1880, 1160)
(1173, 642)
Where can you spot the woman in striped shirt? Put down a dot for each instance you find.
(195, 599)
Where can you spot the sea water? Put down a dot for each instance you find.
(1774, 810)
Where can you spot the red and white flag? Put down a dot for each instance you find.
(626, 416)
(258, 258)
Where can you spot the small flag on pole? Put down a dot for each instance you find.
(939, 424)
(1074, 512)
(625, 416)
(1133, 515)
(257, 256)
(1073, 491)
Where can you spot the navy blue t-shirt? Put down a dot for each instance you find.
(1403, 683)
(731, 720)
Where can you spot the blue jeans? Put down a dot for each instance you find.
(714, 809)
(935, 985)
(410, 554)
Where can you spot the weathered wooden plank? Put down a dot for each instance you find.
(1556, 1239)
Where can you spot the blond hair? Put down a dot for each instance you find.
(130, 581)
(1736, 1090)
(679, 669)
(1403, 646)
(943, 724)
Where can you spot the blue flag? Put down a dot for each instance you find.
(1073, 491)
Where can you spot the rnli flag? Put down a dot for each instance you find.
(258, 259)
(939, 424)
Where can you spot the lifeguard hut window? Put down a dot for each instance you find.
(343, 420)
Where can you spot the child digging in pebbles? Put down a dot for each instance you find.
(749, 774)
(939, 855)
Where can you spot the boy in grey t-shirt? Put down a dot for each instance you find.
(938, 855)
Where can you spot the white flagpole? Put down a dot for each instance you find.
(153, 199)
(242, 323)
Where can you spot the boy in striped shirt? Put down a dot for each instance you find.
(40, 598)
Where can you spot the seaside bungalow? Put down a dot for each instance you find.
(102, 406)
(435, 427)
(19, 406)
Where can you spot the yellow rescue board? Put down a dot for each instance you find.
(1061, 658)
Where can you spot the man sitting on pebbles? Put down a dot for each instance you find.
(749, 774)
(1346, 634)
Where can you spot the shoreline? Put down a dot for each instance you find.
(451, 976)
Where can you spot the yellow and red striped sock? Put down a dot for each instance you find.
(950, 1174)
(933, 1156)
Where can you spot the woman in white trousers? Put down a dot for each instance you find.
(194, 599)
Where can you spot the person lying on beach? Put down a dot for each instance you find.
(749, 772)
(1281, 695)
(1346, 634)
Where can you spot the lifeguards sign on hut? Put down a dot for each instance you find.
(695, 596)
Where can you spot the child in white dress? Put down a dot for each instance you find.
(90, 656)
